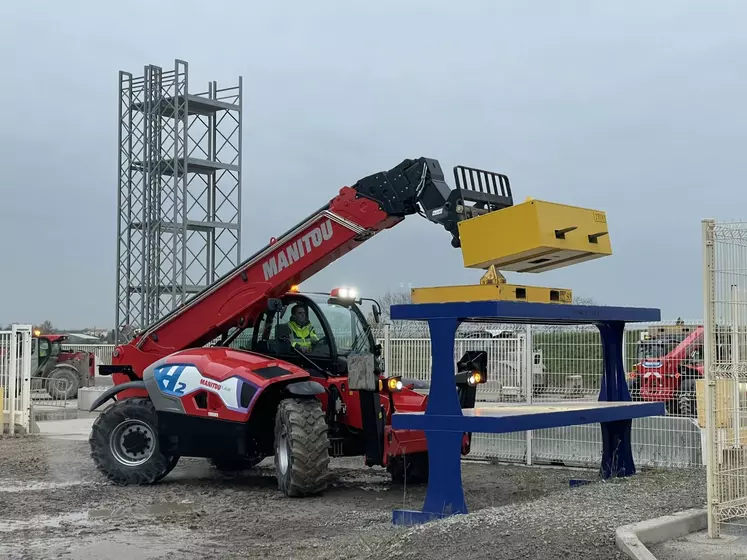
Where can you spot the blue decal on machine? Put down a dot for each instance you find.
(180, 380)
(167, 378)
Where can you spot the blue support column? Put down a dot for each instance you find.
(617, 451)
(445, 495)
(444, 422)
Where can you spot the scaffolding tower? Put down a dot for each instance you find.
(179, 207)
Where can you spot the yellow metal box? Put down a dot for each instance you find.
(490, 292)
(534, 236)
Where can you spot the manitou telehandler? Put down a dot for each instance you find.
(184, 387)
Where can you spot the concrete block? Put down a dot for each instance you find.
(632, 539)
(87, 395)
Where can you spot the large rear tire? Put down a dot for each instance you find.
(301, 447)
(124, 444)
(63, 384)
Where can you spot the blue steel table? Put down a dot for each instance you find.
(444, 421)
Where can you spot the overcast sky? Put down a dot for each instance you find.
(636, 108)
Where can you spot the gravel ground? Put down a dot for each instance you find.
(53, 504)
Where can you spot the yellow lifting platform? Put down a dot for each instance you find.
(492, 287)
(534, 236)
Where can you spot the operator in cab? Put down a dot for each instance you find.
(303, 334)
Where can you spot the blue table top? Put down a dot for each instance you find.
(505, 418)
(523, 312)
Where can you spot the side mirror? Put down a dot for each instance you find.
(274, 304)
(341, 365)
(377, 315)
(378, 349)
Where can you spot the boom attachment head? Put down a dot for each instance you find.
(418, 186)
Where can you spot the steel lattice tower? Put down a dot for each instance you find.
(179, 209)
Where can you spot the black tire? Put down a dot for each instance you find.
(124, 444)
(172, 463)
(686, 404)
(634, 388)
(232, 464)
(301, 447)
(410, 468)
(63, 384)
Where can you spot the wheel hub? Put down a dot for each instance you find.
(282, 451)
(132, 442)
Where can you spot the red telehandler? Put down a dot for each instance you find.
(185, 387)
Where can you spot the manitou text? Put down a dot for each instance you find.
(296, 250)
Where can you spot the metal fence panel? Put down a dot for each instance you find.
(725, 379)
(15, 377)
(565, 364)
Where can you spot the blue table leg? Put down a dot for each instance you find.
(445, 495)
(617, 451)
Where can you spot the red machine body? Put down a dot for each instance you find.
(212, 396)
(667, 367)
(235, 299)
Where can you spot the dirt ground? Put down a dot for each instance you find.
(53, 504)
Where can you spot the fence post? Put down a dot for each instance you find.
(387, 349)
(12, 379)
(709, 321)
(528, 381)
(737, 423)
(26, 377)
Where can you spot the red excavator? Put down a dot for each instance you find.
(185, 386)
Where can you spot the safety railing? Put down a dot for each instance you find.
(565, 363)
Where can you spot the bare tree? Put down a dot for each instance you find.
(46, 327)
(583, 300)
(400, 329)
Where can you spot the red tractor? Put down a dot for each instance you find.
(63, 372)
(186, 386)
(666, 370)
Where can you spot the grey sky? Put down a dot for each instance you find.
(636, 108)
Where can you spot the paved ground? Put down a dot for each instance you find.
(732, 545)
(53, 504)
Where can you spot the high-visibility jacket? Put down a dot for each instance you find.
(302, 336)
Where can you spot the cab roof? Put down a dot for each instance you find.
(52, 337)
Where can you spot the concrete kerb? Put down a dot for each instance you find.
(632, 539)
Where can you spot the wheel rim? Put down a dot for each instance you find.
(282, 452)
(132, 442)
(61, 384)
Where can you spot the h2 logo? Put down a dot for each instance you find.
(167, 378)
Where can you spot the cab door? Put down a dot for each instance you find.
(43, 355)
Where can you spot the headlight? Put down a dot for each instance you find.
(476, 378)
(392, 384)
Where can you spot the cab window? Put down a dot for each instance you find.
(349, 330)
(43, 348)
(298, 327)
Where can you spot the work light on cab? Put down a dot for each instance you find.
(347, 294)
